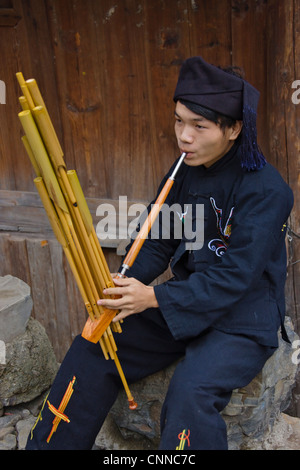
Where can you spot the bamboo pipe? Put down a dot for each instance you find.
(20, 78)
(74, 192)
(93, 251)
(35, 92)
(23, 103)
(94, 330)
(53, 187)
(48, 134)
(28, 97)
(146, 227)
(107, 343)
(84, 222)
(31, 156)
(33, 139)
(80, 200)
(132, 403)
(32, 133)
(36, 101)
(36, 143)
(60, 235)
(81, 262)
(54, 190)
(41, 157)
(51, 213)
(60, 230)
(26, 92)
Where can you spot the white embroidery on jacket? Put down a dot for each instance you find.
(220, 245)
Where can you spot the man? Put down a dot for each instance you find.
(221, 311)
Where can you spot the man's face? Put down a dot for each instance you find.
(203, 141)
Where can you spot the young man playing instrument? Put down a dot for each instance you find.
(221, 311)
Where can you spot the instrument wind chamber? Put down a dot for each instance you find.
(70, 219)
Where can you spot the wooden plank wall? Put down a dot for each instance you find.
(284, 123)
(283, 66)
(107, 70)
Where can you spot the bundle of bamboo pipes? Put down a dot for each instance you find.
(70, 219)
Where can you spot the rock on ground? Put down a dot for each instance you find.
(29, 368)
(15, 307)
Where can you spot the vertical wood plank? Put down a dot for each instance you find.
(249, 39)
(5, 264)
(63, 308)
(27, 48)
(17, 251)
(14, 257)
(166, 36)
(210, 32)
(13, 164)
(42, 285)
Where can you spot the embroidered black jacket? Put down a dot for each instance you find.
(235, 281)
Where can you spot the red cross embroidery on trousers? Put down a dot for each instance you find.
(183, 437)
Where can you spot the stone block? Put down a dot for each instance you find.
(15, 308)
(30, 366)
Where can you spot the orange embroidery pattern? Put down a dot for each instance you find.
(59, 412)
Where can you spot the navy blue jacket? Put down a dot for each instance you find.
(235, 282)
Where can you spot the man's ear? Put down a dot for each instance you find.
(236, 130)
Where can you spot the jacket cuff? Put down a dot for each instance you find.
(167, 309)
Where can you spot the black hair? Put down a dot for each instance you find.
(219, 119)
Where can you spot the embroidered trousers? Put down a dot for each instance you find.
(211, 366)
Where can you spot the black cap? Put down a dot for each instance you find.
(209, 86)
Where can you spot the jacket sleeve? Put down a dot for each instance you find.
(190, 306)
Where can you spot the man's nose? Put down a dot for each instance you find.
(186, 135)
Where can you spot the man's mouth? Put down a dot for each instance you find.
(188, 154)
